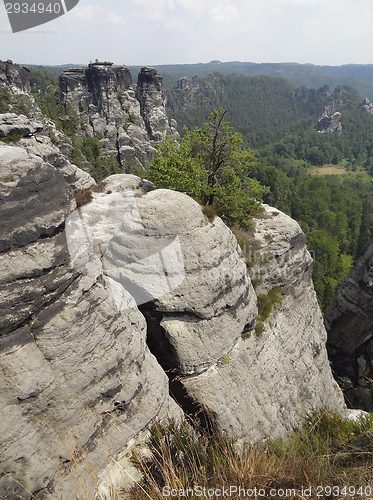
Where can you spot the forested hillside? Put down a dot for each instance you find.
(358, 76)
(280, 122)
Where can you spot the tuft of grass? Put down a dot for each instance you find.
(225, 360)
(83, 197)
(267, 302)
(209, 212)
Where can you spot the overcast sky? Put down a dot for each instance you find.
(151, 32)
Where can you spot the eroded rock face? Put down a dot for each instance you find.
(148, 93)
(15, 76)
(129, 123)
(349, 323)
(12, 124)
(78, 380)
(205, 313)
(31, 140)
(330, 124)
(266, 383)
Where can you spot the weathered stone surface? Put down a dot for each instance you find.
(34, 198)
(206, 312)
(148, 92)
(14, 76)
(12, 124)
(40, 145)
(264, 385)
(79, 382)
(103, 95)
(349, 323)
(275, 248)
(330, 124)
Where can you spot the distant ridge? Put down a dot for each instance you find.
(358, 76)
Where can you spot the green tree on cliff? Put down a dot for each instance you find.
(209, 163)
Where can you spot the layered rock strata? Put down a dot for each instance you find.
(349, 322)
(78, 380)
(15, 76)
(265, 384)
(129, 124)
(29, 135)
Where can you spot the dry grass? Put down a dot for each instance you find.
(209, 212)
(326, 452)
(83, 197)
(329, 170)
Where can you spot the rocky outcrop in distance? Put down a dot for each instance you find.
(330, 124)
(367, 106)
(349, 323)
(129, 123)
(14, 76)
(100, 302)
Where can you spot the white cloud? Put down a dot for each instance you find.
(224, 13)
(155, 9)
(87, 12)
(112, 17)
(177, 24)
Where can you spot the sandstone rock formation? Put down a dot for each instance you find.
(128, 123)
(349, 323)
(29, 135)
(78, 380)
(12, 124)
(367, 106)
(15, 76)
(330, 124)
(84, 369)
(264, 384)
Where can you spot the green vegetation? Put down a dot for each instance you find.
(280, 121)
(357, 76)
(267, 113)
(209, 163)
(12, 103)
(265, 304)
(11, 138)
(326, 450)
(91, 148)
(5, 99)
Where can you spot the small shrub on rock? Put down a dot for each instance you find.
(83, 197)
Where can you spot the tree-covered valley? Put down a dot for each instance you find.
(280, 123)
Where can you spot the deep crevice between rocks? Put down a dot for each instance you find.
(166, 355)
